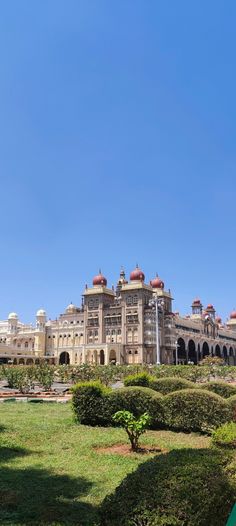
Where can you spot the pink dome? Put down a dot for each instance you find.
(99, 280)
(157, 283)
(137, 275)
(233, 315)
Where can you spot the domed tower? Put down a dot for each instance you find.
(12, 323)
(231, 323)
(137, 275)
(157, 283)
(71, 309)
(210, 311)
(99, 280)
(121, 281)
(41, 319)
(196, 308)
(40, 333)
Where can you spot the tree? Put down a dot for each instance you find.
(134, 427)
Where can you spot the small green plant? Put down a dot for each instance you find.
(134, 427)
(225, 436)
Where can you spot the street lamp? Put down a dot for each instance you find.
(156, 303)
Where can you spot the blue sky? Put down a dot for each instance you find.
(117, 146)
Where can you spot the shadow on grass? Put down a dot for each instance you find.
(9, 453)
(38, 497)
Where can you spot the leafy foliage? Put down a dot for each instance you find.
(134, 427)
(225, 436)
(90, 403)
(169, 385)
(212, 360)
(140, 379)
(220, 388)
(182, 488)
(95, 404)
(195, 410)
(137, 400)
(232, 405)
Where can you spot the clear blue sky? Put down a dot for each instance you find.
(117, 146)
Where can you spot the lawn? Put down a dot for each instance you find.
(51, 473)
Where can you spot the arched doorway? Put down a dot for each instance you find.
(64, 358)
(192, 355)
(15, 361)
(21, 361)
(112, 357)
(205, 350)
(182, 355)
(231, 356)
(29, 361)
(102, 357)
(225, 354)
(217, 351)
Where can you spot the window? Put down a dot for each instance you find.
(26, 345)
(135, 299)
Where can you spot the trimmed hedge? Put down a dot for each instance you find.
(195, 410)
(185, 487)
(169, 385)
(162, 385)
(140, 379)
(225, 436)
(94, 404)
(89, 402)
(221, 388)
(232, 405)
(137, 400)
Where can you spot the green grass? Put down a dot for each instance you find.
(51, 473)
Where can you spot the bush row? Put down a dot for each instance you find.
(186, 409)
(168, 385)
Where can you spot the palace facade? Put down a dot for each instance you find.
(119, 326)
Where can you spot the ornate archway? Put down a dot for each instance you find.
(102, 357)
(112, 357)
(64, 358)
(231, 356)
(205, 350)
(192, 355)
(225, 354)
(182, 354)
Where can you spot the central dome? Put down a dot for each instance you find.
(233, 315)
(71, 309)
(99, 280)
(137, 274)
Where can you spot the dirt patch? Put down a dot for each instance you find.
(124, 450)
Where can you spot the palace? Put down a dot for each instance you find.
(120, 326)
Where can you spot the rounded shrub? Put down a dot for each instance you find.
(168, 385)
(225, 436)
(89, 402)
(188, 487)
(137, 400)
(140, 379)
(195, 410)
(221, 388)
(232, 405)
